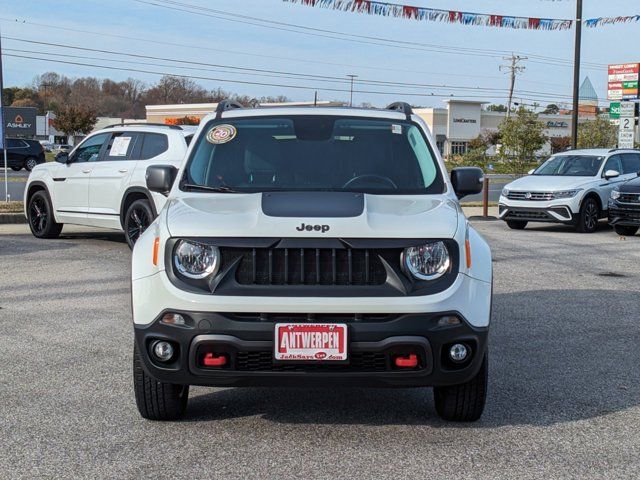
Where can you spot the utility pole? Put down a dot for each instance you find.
(351, 95)
(3, 144)
(513, 69)
(576, 76)
(46, 110)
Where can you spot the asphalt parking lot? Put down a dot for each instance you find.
(564, 399)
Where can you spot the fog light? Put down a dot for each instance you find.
(458, 352)
(173, 319)
(163, 351)
(448, 320)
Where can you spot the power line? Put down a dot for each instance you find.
(246, 82)
(325, 33)
(236, 52)
(274, 73)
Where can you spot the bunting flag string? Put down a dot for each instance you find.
(385, 9)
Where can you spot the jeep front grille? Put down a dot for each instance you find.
(310, 266)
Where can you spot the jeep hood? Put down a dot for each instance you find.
(547, 183)
(283, 215)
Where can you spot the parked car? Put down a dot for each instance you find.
(101, 182)
(48, 146)
(311, 246)
(572, 187)
(61, 147)
(22, 154)
(624, 208)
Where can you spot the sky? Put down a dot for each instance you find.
(215, 42)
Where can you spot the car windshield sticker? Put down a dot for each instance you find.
(397, 129)
(221, 134)
(120, 147)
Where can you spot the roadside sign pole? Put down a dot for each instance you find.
(576, 76)
(2, 138)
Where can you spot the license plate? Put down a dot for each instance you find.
(319, 342)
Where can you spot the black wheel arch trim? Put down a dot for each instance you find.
(128, 192)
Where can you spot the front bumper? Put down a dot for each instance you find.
(248, 343)
(623, 214)
(537, 213)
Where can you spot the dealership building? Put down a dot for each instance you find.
(461, 121)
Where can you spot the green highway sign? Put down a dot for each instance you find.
(614, 110)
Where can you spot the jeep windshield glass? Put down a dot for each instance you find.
(571, 166)
(313, 153)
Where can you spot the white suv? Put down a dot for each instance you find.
(311, 246)
(572, 187)
(101, 182)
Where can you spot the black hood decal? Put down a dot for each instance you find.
(313, 204)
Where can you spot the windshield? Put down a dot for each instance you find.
(571, 166)
(313, 153)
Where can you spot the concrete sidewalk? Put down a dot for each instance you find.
(477, 211)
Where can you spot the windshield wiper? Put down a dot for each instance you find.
(206, 188)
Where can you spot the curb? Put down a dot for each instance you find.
(12, 218)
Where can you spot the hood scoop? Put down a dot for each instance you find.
(313, 204)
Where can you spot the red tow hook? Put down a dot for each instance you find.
(214, 360)
(407, 361)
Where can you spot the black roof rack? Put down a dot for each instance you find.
(402, 107)
(140, 124)
(225, 105)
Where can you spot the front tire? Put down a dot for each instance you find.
(464, 402)
(137, 219)
(40, 215)
(30, 163)
(625, 231)
(517, 224)
(587, 221)
(157, 400)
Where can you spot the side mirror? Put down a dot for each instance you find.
(160, 178)
(530, 172)
(467, 181)
(62, 157)
(609, 174)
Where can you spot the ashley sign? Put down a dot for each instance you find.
(20, 121)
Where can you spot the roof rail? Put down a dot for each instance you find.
(618, 149)
(225, 105)
(140, 124)
(402, 107)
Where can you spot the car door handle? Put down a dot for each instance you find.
(123, 170)
(86, 171)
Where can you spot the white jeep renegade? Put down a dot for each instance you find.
(311, 246)
(101, 182)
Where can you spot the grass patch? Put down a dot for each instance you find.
(11, 207)
(49, 156)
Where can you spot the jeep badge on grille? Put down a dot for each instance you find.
(311, 228)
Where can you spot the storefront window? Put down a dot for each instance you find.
(459, 148)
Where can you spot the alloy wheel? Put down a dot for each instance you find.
(38, 215)
(591, 216)
(138, 223)
(31, 164)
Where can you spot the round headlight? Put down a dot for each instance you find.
(505, 192)
(427, 262)
(196, 260)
